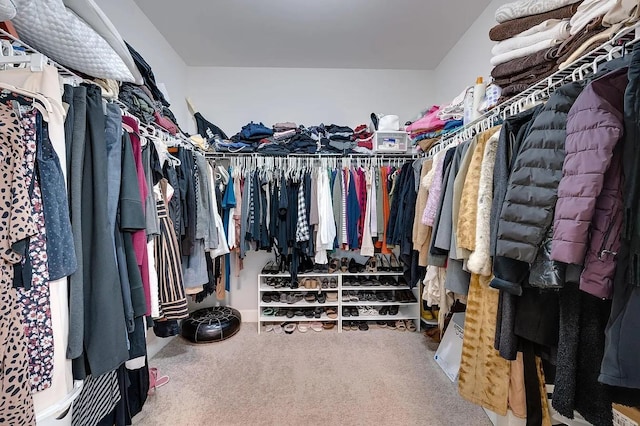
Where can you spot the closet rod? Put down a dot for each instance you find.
(577, 70)
(311, 156)
(61, 69)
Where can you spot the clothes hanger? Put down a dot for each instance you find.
(44, 105)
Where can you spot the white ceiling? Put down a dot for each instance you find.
(373, 34)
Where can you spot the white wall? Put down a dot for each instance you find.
(142, 35)
(469, 58)
(231, 97)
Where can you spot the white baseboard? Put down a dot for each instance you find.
(249, 315)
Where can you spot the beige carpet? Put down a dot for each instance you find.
(375, 377)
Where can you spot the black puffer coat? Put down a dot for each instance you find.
(527, 210)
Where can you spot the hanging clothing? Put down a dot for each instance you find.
(173, 302)
(34, 300)
(16, 407)
(104, 320)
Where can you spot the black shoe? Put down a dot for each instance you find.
(346, 312)
(322, 297)
(393, 310)
(383, 310)
(354, 312)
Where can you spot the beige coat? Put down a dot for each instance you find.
(421, 232)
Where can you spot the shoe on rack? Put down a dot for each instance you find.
(324, 283)
(394, 263)
(332, 297)
(266, 298)
(328, 325)
(410, 325)
(371, 265)
(354, 311)
(363, 326)
(322, 297)
(332, 313)
(303, 327)
(355, 267)
(346, 325)
(333, 283)
(289, 327)
(310, 297)
(346, 312)
(344, 264)
(383, 310)
(334, 264)
(401, 326)
(393, 310)
(383, 263)
(316, 326)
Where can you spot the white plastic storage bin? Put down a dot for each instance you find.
(390, 141)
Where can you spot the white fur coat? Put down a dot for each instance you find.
(480, 260)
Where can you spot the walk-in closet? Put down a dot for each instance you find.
(277, 213)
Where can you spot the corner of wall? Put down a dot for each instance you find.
(469, 58)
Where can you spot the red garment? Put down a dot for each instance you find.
(362, 201)
(139, 238)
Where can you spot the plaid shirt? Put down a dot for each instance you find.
(302, 228)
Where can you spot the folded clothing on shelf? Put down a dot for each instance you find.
(522, 8)
(516, 26)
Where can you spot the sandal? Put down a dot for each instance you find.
(316, 326)
(328, 325)
(277, 328)
(302, 327)
(332, 313)
(354, 325)
(400, 325)
(268, 312)
(346, 325)
(410, 325)
(310, 297)
(268, 327)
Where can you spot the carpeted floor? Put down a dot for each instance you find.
(375, 377)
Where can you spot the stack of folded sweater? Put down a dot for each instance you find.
(527, 30)
(538, 37)
(284, 131)
(247, 139)
(426, 131)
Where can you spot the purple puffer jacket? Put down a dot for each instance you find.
(588, 216)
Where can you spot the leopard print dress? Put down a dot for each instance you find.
(16, 224)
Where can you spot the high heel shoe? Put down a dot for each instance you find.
(383, 263)
(394, 264)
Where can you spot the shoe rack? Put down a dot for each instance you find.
(350, 300)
